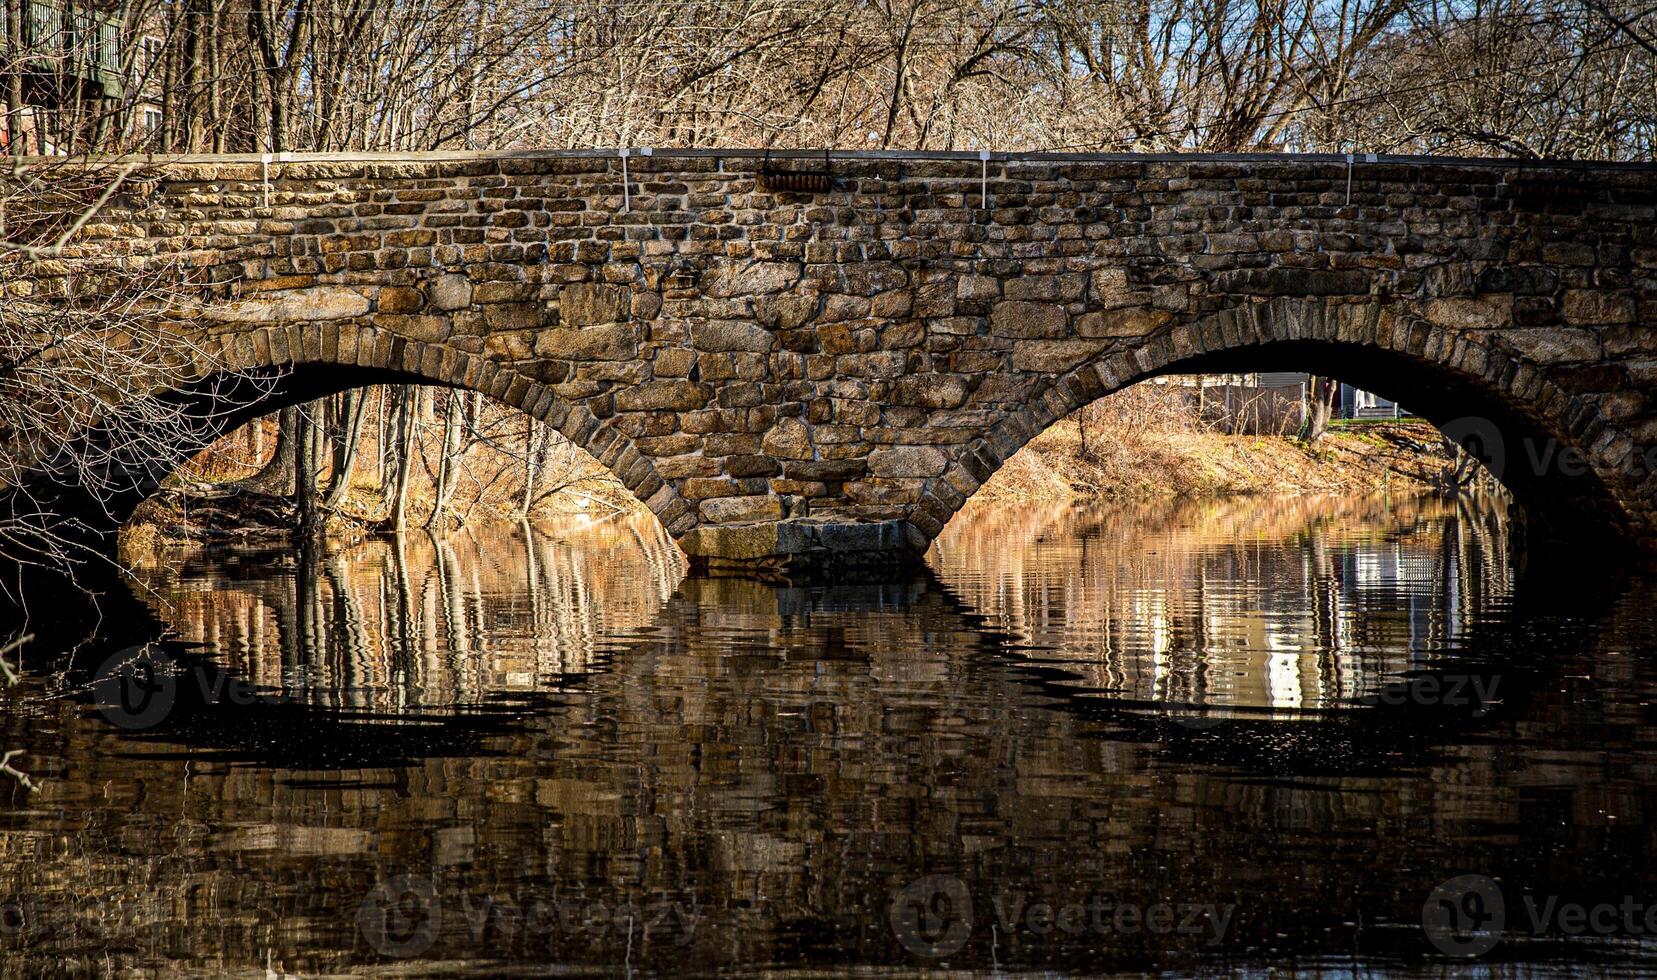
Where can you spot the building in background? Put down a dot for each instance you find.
(1272, 402)
(72, 74)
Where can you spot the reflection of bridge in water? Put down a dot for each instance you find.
(779, 762)
(1230, 602)
(422, 619)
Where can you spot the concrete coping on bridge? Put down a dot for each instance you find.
(808, 155)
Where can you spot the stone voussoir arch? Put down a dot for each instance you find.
(1531, 432)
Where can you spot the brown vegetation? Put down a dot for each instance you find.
(491, 463)
(1510, 77)
(1145, 442)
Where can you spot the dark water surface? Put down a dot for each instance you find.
(1181, 737)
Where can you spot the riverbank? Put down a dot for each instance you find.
(1118, 463)
(194, 511)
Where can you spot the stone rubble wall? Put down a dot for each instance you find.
(772, 372)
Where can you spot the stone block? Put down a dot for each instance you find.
(733, 510)
(1596, 307)
(908, 461)
(399, 299)
(670, 395)
(978, 288)
(315, 303)
(673, 362)
(585, 303)
(1129, 322)
(1546, 345)
(931, 390)
(1053, 355)
(752, 279)
(736, 542)
(732, 335)
(1015, 318)
(789, 438)
(1476, 313)
(606, 342)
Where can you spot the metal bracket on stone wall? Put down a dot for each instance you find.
(984, 180)
(1350, 157)
(626, 192)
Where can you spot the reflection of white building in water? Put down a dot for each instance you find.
(1297, 622)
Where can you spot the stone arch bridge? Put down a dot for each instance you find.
(818, 378)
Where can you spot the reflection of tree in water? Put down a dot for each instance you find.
(422, 619)
(1286, 603)
(780, 761)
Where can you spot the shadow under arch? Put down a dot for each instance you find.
(249, 378)
(1548, 447)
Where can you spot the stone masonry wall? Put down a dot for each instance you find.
(777, 374)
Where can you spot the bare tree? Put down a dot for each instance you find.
(88, 354)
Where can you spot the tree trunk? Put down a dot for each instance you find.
(450, 461)
(276, 477)
(537, 444)
(308, 451)
(14, 78)
(194, 49)
(1320, 396)
(353, 409)
(408, 404)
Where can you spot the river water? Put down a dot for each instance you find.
(1187, 737)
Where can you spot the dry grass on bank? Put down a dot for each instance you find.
(1142, 444)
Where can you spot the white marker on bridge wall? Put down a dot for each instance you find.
(984, 179)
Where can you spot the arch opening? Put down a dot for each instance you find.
(93, 484)
(1549, 451)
